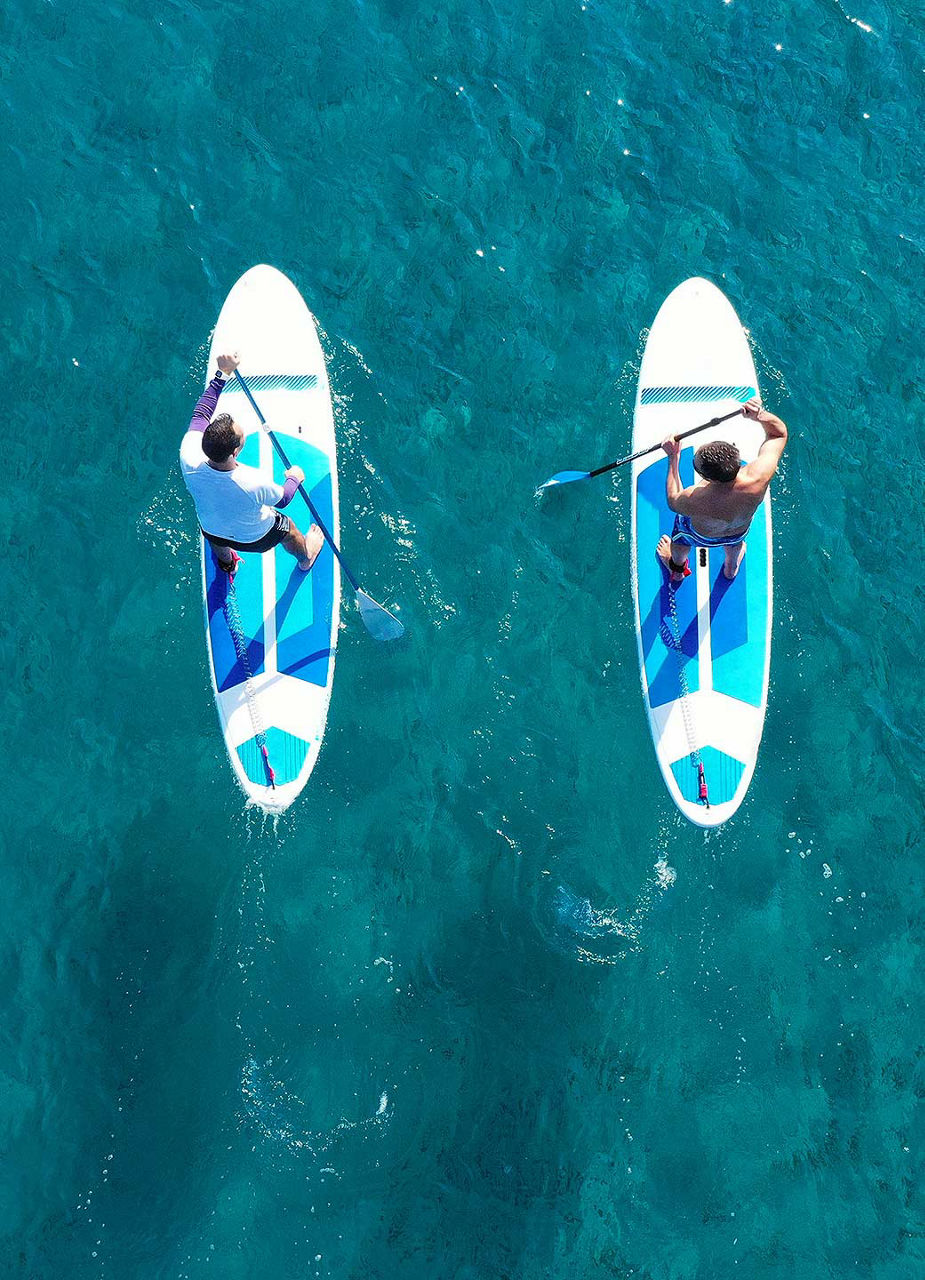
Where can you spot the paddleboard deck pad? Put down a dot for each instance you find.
(271, 632)
(704, 645)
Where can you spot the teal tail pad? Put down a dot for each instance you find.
(287, 756)
(657, 626)
(272, 382)
(693, 395)
(739, 617)
(306, 600)
(722, 773)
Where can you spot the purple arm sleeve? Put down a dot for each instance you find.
(205, 405)
(290, 488)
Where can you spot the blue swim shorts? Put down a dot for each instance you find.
(685, 532)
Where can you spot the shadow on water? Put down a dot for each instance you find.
(142, 975)
(489, 1176)
(482, 1177)
(271, 1108)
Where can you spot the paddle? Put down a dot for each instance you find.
(566, 477)
(380, 624)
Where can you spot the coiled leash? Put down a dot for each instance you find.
(672, 640)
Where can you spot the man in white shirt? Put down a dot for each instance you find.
(238, 505)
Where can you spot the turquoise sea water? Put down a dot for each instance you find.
(481, 1005)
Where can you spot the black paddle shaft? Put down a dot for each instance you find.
(286, 463)
(714, 422)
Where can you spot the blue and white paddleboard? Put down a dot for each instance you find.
(705, 646)
(273, 692)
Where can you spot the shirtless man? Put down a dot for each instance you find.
(238, 505)
(717, 510)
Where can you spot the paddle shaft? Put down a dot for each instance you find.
(714, 422)
(287, 464)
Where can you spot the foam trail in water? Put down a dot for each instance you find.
(599, 935)
(864, 26)
(276, 1112)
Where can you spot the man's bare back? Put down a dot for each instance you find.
(719, 506)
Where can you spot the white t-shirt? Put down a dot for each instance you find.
(232, 504)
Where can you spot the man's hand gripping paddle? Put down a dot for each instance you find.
(566, 477)
(380, 624)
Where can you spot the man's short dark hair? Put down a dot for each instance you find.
(219, 440)
(717, 461)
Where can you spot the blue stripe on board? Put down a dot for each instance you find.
(287, 756)
(722, 773)
(249, 589)
(306, 600)
(273, 382)
(250, 454)
(691, 395)
(739, 617)
(228, 669)
(657, 629)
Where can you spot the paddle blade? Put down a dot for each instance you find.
(564, 477)
(380, 624)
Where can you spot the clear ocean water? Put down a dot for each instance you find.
(481, 1005)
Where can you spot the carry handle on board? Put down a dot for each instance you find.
(380, 624)
(566, 477)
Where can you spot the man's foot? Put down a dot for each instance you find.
(730, 570)
(314, 541)
(230, 566)
(676, 572)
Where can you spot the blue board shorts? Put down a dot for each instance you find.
(272, 538)
(685, 532)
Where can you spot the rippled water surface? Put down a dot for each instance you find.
(481, 1005)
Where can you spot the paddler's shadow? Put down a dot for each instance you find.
(660, 622)
(299, 582)
(246, 653)
(163, 1044)
(297, 579)
(722, 585)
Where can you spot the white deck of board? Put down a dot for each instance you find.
(698, 340)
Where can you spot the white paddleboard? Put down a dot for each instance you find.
(705, 646)
(272, 691)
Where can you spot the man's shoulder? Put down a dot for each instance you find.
(699, 495)
(254, 480)
(247, 475)
(754, 478)
(191, 454)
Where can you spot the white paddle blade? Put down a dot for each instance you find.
(380, 624)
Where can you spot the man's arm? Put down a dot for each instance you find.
(762, 469)
(205, 405)
(191, 454)
(294, 477)
(271, 494)
(678, 497)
